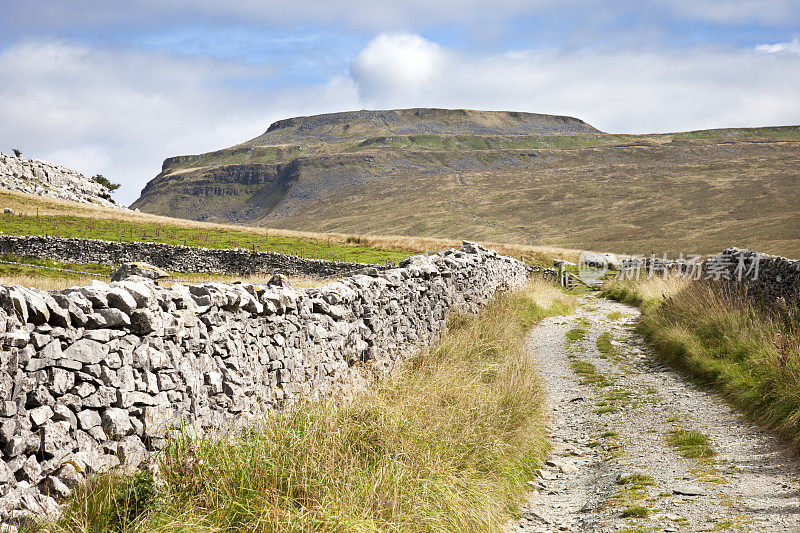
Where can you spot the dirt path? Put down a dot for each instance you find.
(611, 426)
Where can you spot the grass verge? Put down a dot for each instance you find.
(446, 443)
(636, 511)
(604, 343)
(588, 373)
(636, 479)
(576, 334)
(749, 353)
(644, 293)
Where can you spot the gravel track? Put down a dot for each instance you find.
(615, 421)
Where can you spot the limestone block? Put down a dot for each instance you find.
(138, 269)
(131, 452)
(86, 351)
(88, 419)
(40, 415)
(56, 440)
(116, 423)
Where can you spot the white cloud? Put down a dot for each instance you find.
(775, 12)
(792, 47)
(616, 90)
(398, 65)
(120, 112)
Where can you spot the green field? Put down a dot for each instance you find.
(140, 231)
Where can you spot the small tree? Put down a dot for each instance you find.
(17, 152)
(102, 180)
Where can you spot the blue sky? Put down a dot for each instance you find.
(115, 87)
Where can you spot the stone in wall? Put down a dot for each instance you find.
(96, 377)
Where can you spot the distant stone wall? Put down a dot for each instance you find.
(47, 179)
(767, 279)
(233, 261)
(97, 376)
(547, 273)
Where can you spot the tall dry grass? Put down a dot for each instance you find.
(644, 292)
(748, 352)
(447, 443)
(45, 282)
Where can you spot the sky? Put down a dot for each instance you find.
(114, 87)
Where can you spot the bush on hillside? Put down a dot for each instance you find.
(102, 180)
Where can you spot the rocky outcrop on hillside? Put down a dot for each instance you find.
(47, 179)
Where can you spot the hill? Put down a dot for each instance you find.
(499, 176)
(47, 179)
(333, 127)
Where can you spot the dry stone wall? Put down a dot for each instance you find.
(97, 376)
(233, 261)
(767, 279)
(47, 179)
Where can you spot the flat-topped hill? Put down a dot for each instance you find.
(498, 176)
(333, 127)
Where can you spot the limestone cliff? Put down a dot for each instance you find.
(48, 179)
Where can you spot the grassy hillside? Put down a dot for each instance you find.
(497, 177)
(34, 215)
(663, 194)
